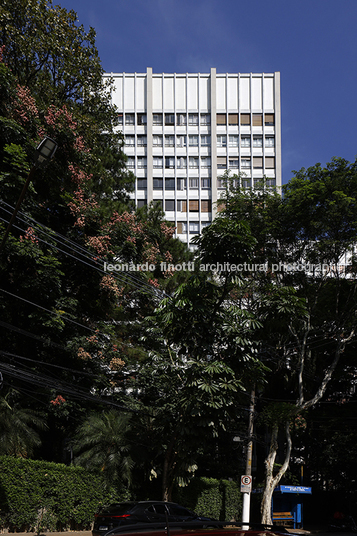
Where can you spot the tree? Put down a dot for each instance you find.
(67, 324)
(286, 280)
(101, 443)
(18, 427)
(184, 401)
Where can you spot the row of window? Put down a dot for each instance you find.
(194, 162)
(245, 163)
(193, 183)
(204, 141)
(193, 227)
(160, 119)
(245, 182)
(245, 141)
(194, 119)
(193, 205)
(171, 183)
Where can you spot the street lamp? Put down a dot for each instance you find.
(44, 152)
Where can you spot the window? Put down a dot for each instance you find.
(141, 140)
(221, 183)
(157, 161)
(170, 205)
(193, 182)
(142, 162)
(193, 205)
(157, 140)
(193, 119)
(233, 163)
(257, 162)
(193, 162)
(141, 119)
(157, 184)
(269, 162)
(245, 162)
(169, 162)
(141, 184)
(158, 203)
(194, 227)
(205, 162)
(221, 119)
(169, 141)
(130, 163)
(221, 140)
(205, 140)
(271, 182)
(129, 140)
(257, 120)
(245, 141)
(206, 205)
(269, 120)
(205, 224)
(269, 141)
(169, 184)
(181, 184)
(120, 119)
(182, 205)
(205, 183)
(257, 141)
(221, 162)
(169, 119)
(232, 119)
(245, 119)
(233, 140)
(181, 162)
(181, 141)
(181, 120)
(157, 119)
(246, 183)
(129, 119)
(141, 203)
(205, 119)
(181, 227)
(193, 141)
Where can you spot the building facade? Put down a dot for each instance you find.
(183, 131)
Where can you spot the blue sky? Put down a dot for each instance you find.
(313, 43)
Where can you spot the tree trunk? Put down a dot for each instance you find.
(272, 481)
(167, 483)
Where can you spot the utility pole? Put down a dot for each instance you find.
(248, 466)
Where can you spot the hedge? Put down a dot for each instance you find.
(219, 499)
(36, 495)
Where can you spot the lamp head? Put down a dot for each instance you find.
(44, 152)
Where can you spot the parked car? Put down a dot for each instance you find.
(129, 513)
(198, 527)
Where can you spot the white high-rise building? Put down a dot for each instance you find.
(182, 131)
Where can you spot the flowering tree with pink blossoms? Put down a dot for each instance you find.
(72, 323)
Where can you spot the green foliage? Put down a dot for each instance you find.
(35, 495)
(219, 499)
(102, 445)
(18, 427)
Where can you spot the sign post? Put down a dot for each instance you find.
(246, 480)
(246, 484)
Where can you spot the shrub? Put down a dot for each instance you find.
(36, 495)
(219, 499)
